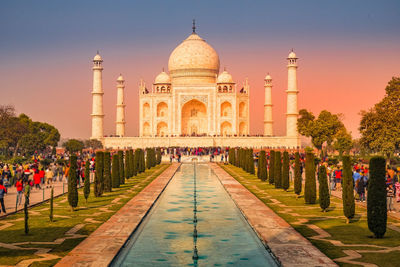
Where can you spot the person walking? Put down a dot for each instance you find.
(389, 198)
(361, 188)
(49, 177)
(3, 191)
(37, 179)
(20, 186)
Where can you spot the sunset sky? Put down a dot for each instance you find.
(348, 50)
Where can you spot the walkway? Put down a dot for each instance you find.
(102, 245)
(287, 244)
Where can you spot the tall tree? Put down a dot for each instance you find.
(380, 126)
(251, 162)
(98, 176)
(271, 167)
(262, 166)
(134, 163)
(107, 172)
(278, 170)
(324, 198)
(298, 183)
(73, 145)
(285, 171)
(72, 183)
(348, 189)
(376, 201)
(310, 189)
(115, 171)
(121, 167)
(86, 186)
(343, 142)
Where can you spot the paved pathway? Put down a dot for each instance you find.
(102, 245)
(287, 244)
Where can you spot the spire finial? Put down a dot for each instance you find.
(224, 68)
(194, 26)
(163, 69)
(98, 52)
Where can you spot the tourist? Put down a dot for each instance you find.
(3, 191)
(361, 185)
(20, 186)
(389, 198)
(37, 179)
(49, 177)
(42, 174)
(338, 175)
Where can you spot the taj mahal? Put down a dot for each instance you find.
(193, 104)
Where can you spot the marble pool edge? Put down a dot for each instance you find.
(101, 247)
(289, 246)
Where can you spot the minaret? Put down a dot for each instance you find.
(97, 95)
(291, 108)
(268, 106)
(120, 121)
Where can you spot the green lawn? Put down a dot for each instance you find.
(301, 216)
(89, 216)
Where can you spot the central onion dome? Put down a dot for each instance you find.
(193, 61)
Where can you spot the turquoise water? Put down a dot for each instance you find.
(194, 202)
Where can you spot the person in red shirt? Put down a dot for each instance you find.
(19, 185)
(3, 191)
(42, 173)
(36, 179)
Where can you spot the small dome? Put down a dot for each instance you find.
(97, 57)
(163, 77)
(268, 77)
(120, 78)
(292, 55)
(224, 77)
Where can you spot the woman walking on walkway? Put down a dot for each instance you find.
(3, 191)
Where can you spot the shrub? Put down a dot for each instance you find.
(278, 170)
(115, 171)
(51, 204)
(107, 172)
(72, 182)
(86, 185)
(158, 156)
(324, 198)
(121, 167)
(271, 167)
(310, 190)
(127, 167)
(285, 171)
(98, 176)
(26, 215)
(376, 201)
(262, 166)
(251, 162)
(297, 175)
(348, 190)
(134, 160)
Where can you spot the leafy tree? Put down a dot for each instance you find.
(321, 130)
(99, 175)
(348, 189)
(121, 167)
(278, 170)
(310, 190)
(376, 201)
(343, 141)
(297, 175)
(93, 144)
(107, 172)
(262, 166)
(324, 198)
(73, 145)
(86, 186)
(72, 184)
(115, 171)
(271, 167)
(51, 204)
(285, 171)
(380, 126)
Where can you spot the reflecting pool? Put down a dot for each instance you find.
(194, 223)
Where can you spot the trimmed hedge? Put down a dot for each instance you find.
(72, 184)
(98, 177)
(271, 167)
(348, 189)
(324, 198)
(310, 190)
(115, 171)
(278, 170)
(107, 172)
(298, 183)
(121, 167)
(86, 185)
(285, 171)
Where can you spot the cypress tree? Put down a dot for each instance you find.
(158, 156)
(263, 171)
(310, 189)
(115, 171)
(278, 170)
(259, 165)
(143, 163)
(51, 203)
(376, 201)
(134, 163)
(126, 166)
(121, 167)
(230, 156)
(236, 157)
(348, 190)
(139, 160)
(153, 157)
(324, 198)
(72, 181)
(86, 185)
(26, 215)
(98, 176)
(107, 172)
(297, 175)
(285, 171)
(251, 162)
(271, 167)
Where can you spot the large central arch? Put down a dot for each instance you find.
(194, 118)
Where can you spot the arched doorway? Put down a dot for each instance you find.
(226, 109)
(226, 128)
(162, 129)
(146, 129)
(242, 110)
(194, 118)
(242, 128)
(146, 110)
(162, 109)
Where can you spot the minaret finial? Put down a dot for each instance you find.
(163, 69)
(98, 52)
(194, 26)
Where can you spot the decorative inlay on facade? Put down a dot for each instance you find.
(187, 98)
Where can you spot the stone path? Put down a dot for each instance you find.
(352, 253)
(43, 253)
(100, 248)
(291, 248)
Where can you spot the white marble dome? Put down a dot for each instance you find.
(97, 57)
(194, 61)
(225, 77)
(292, 55)
(163, 77)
